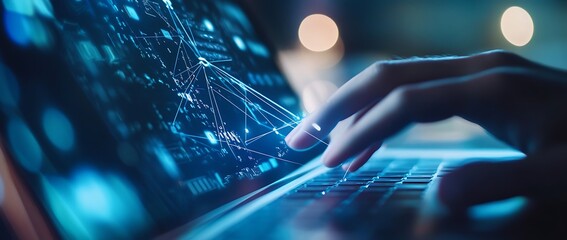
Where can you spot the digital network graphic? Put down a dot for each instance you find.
(197, 91)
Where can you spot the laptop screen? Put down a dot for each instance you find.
(128, 118)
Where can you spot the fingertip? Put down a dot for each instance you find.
(330, 158)
(301, 140)
(450, 193)
(480, 182)
(353, 167)
(293, 132)
(330, 164)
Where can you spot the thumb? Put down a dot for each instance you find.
(482, 182)
(540, 176)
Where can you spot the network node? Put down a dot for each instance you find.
(204, 62)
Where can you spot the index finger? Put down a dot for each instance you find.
(378, 80)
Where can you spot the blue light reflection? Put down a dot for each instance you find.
(58, 129)
(92, 204)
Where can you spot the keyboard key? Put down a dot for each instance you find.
(377, 189)
(382, 184)
(353, 183)
(359, 178)
(328, 184)
(302, 195)
(413, 175)
(345, 189)
(413, 180)
(411, 187)
(397, 175)
(388, 180)
(312, 189)
(406, 195)
(322, 181)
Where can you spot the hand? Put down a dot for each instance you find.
(518, 101)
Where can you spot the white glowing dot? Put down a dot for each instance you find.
(316, 126)
(517, 26)
(318, 32)
(208, 25)
(203, 61)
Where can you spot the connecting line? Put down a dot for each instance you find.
(245, 149)
(185, 58)
(233, 104)
(248, 141)
(253, 91)
(157, 13)
(237, 88)
(188, 69)
(195, 74)
(177, 112)
(248, 101)
(177, 57)
(251, 140)
(192, 38)
(221, 60)
(185, 92)
(245, 119)
(268, 120)
(154, 37)
(287, 124)
(346, 172)
(321, 141)
(218, 111)
(212, 104)
(171, 13)
(260, 109)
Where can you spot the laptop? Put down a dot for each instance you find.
(166, 119)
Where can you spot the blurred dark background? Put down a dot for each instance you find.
(370, 31)
(418, 27)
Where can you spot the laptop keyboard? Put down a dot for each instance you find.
(385, 192)
(377, 186)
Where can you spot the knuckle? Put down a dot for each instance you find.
(404, 95)
(501, 78)
(503, 57)
(383, 67)
(495, 77)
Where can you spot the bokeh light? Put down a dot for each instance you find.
(58, 129)
(127, 153)
(24, 145)
(9, 90)
(24, 30)
(318, 32)
(18, 26)
(92, 196)
(29, 7)
(517, 26)
(95, 205)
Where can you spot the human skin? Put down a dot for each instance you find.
(518, 101)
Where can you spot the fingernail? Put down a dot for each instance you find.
(327, 156)
(288, 139)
